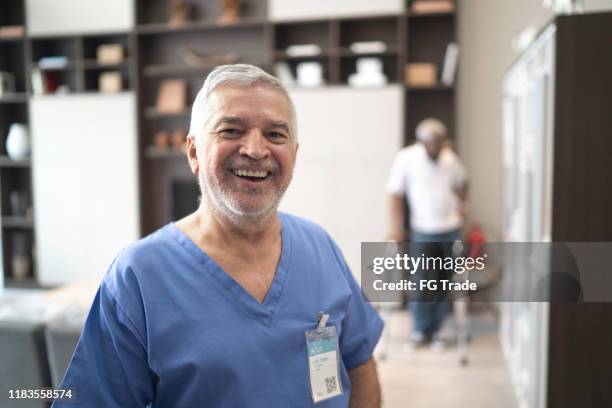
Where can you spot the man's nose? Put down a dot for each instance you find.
(255, 145)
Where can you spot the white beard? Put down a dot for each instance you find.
(221, 200)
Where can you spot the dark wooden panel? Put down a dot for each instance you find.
(12, 57)
(376, 29)
(428, 38)
(12, 12)
(423, 104)
(580, 353)
(303, 33)
(582, 196)
(580, 363)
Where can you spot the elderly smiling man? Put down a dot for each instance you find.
(236, 305)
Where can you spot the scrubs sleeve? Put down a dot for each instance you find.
(362, 326)
(109, 367)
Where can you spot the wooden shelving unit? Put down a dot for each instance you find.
(155, 52)
(408, 37)
(81, 72)
(17, 234)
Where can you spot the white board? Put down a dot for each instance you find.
(85, 182)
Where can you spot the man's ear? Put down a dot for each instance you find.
(192, 155)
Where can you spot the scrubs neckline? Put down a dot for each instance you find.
(263, 311)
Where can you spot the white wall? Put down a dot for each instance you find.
(48, 17)
(348, 138)
(486, 29)
(84, 162)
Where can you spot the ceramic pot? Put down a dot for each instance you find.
(18, 142)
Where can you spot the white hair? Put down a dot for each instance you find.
(429, 129)
(239, 75)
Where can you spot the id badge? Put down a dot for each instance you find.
(323, 355)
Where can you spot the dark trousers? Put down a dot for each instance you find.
(429, 308)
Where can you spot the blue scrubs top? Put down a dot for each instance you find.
(170, 328)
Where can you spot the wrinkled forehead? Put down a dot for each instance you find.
(257, 101)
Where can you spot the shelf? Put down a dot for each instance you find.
(346, 52)
(70, 65)
(163, 28)
(26, 283)
(92, 64)
(434, 88)
(86, 64)
(427, 15)
(412, 14)
(12, 39)
(14, 98)
(325, 53)
(153, 152)
(6, 161)
(164, 70)
(153, 113)
(9, 221)
(333, 52)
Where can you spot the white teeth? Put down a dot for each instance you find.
(249, 173)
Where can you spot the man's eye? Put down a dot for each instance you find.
(276, 136)
(230, 132)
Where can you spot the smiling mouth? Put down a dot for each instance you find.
(251, 175)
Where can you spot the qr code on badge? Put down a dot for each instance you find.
(331, 384)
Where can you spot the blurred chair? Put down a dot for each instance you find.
(23, 361)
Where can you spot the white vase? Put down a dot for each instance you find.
(18, 142)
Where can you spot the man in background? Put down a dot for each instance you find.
(429, 176)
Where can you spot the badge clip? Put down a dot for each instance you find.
(323, 318)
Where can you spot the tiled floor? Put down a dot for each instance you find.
(423, 378)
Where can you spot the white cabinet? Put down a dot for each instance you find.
(50, 17)
(348, 138)
(527, 164)
(85, 178)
